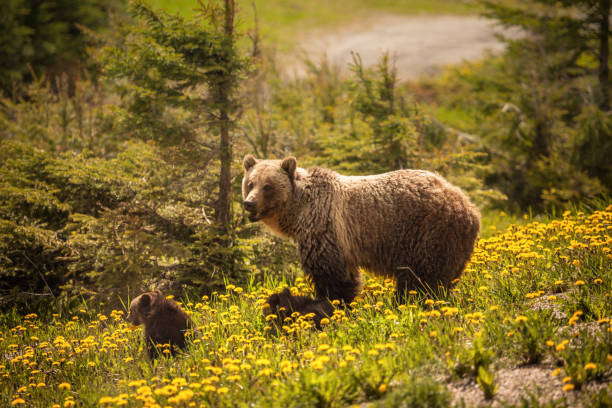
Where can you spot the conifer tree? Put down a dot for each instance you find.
(550, 137)
(179, 81)
(571, 29)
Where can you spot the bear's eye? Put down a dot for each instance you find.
(250, 185)
(267, 187)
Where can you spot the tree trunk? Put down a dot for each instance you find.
(604, 53)
(223, 214)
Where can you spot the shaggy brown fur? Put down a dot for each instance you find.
(165, 322)
(284, 304)
(408, 224)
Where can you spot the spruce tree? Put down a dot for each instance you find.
(550, 137)
(179, 81)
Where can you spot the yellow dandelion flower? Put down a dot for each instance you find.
(579, 282)
(64, 386)
(568, 387)
(561, 346)
(555, 372)
(520, 319)
(265, 372)
(590, 366)
(317, 364)
(106, 400)
(185, 395)
(18, 401)
(382, 388)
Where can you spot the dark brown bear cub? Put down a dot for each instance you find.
(283, 304)
(165, 322)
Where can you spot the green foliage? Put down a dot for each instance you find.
(419, 392)
(364, 124)
(166, 70)
(587, 359)
(540, 108)
(115, 199)
(471, 360)
(486, 381)
(45, 38)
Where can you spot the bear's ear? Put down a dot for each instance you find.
(248, 162)
(289, 164)
(145, 299)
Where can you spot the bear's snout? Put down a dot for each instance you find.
(250, 206)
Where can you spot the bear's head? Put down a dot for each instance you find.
(143, 306)
(267, 187)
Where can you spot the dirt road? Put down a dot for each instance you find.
(421, 45)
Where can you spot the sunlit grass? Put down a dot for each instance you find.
(538, 293)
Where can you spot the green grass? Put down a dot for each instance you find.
(536, 294)
(283, 22)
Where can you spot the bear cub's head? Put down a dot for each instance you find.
(143, 307)
(267, 186)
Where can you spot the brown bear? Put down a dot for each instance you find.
(164, 321)
(411, 225)
(284, 304)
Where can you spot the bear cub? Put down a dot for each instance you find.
(284, 304)
(164, 321)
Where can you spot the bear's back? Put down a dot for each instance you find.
(392, 215)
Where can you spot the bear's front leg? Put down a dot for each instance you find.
(324, 265)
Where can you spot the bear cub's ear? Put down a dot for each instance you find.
(248, 162)
(289, 164)
(145, 299)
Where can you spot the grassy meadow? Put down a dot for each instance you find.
(283, 22)
(528, 324)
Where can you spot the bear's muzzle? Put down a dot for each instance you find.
(251, 209)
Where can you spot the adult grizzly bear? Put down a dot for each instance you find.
(408, 224)
(164, 320)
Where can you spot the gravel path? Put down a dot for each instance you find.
(420, 45)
